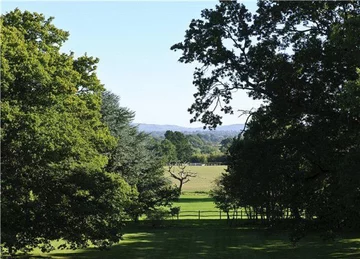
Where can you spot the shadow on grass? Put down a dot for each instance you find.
(194, 200)
(214, 239)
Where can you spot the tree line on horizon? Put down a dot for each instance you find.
(177, 147)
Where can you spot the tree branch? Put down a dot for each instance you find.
(250, 113)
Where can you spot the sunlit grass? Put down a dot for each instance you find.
(214, 239)
(196, 201)
(204, 180)
(211, 238)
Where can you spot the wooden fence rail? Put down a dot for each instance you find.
(211, 214)
(218, 214)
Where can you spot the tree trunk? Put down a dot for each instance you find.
(180, 187)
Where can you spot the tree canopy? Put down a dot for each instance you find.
(182, 145)
(133, 159)
(54, 145)
(300, 149)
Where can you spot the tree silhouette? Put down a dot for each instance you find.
(181, 175)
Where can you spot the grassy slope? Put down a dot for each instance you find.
(214, 239)
(203, 182)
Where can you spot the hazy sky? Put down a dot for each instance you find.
(133, 40)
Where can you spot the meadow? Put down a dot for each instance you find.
(195, 193)
(204, 180)
(211, 238)
(214, 239)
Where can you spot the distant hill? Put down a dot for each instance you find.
(149, 128)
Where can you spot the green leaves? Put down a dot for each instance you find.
(133, 159)
(181, 143)
(230, 58)
(54, 146)
(300, 148)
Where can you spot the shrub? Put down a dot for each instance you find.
(174, 211)
(157, 216)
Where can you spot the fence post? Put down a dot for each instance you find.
(199, 214)
(220, 214)
(240, 213)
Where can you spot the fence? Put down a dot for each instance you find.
(200, 164)
(218, 214)
(210, 214)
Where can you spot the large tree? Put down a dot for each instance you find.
(53, 145)
(287, 53)
(301, 60)
(133, 159)
(181, 174)
(168, 151)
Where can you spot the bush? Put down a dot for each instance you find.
(157, 216)
(198, 158)
(217, 158)
(174, 211)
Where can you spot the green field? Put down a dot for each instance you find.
(189, 237)
(191, 203)
(204, 180)
(195, 201)
(214, 239)
(195, 195)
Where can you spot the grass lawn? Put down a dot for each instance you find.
(191, 203)
(203, 182)
(209, 238)
(190, 238)
(214, 239)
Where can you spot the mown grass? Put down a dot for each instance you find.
(191, 203)
(204, 180)
(195, 201)
(214, 239)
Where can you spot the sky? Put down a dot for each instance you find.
(132, 39)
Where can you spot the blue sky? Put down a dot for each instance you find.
(132, 41)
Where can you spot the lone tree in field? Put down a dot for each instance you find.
(181, 174)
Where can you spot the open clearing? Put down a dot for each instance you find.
(195, 202)
(191, 203)
(214, 239)
(206, 238)
(195, 205)
(204, 180)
